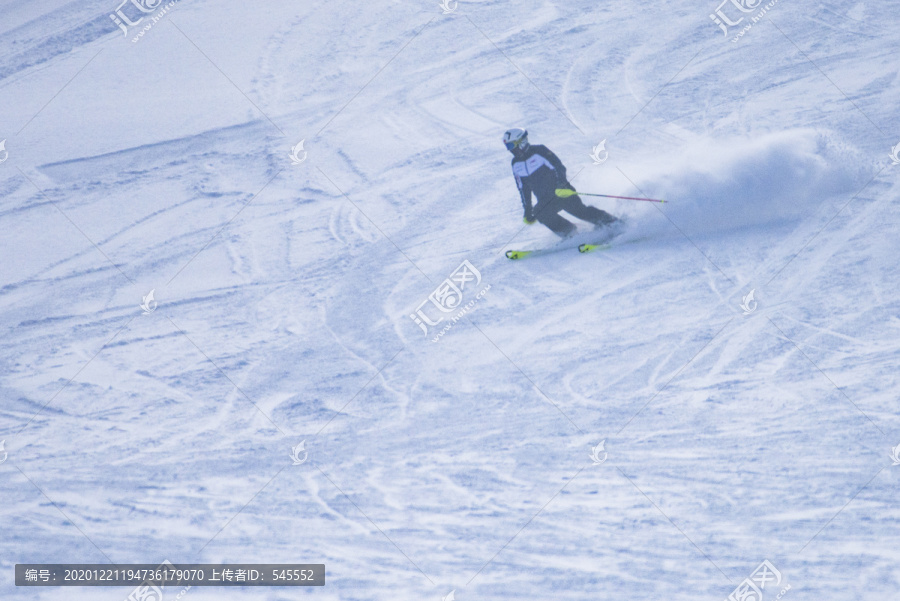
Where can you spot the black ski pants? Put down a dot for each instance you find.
(547, 212)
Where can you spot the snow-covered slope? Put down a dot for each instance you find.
(736, 430)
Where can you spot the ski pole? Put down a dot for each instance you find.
(565, 193)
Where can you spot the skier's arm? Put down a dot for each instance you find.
(525, 193)
(560, 169)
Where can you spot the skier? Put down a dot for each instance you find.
(538, 170)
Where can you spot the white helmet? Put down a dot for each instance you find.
(516, 139)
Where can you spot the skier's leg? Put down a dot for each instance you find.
(548, 214)
(576, 207)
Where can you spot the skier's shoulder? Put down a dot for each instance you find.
(532, 150)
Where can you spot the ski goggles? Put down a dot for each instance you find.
(520, 143)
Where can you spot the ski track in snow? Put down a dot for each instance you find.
(285, 293)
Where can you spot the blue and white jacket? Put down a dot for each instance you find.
(541, 172)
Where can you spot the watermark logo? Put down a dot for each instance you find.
(4, 455)
(751, 589)
(148, 303)
(151, 592)
(449, 6)
(449, 596)
(595, 153)
(143, 6)
(4, 154)
(748, 303)
(721, 19)
(448, 297)
(895, 454)
(143, 9)
(296, 453)
(296, 159)
(123, 21)
(739, 9)
(598, 453)
(895, 153)
(146, 592)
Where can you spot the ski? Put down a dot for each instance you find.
(602, 244)
(586, 248)
(516, 255)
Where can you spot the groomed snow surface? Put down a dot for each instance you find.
(735, 430)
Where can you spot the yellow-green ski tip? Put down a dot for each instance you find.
(586, 248)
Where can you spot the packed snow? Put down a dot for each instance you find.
(297, 182)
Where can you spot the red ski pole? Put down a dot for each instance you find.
(565, 193)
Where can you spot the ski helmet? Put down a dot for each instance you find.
(516, 139)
